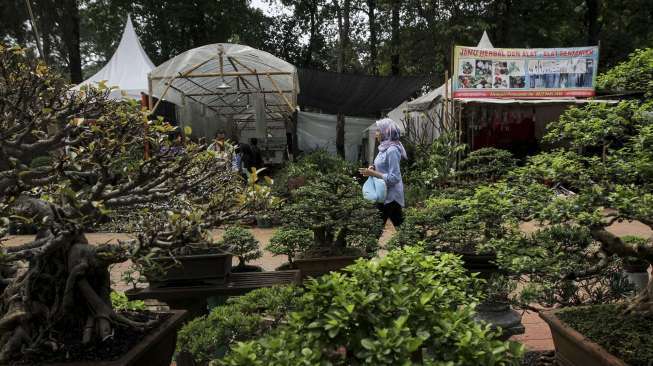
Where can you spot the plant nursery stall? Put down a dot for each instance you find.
(230, 88)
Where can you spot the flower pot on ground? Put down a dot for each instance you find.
(244, 246)
(156, 347)
(599, 335)
(192, 257)
(263, 221)
(344, 226)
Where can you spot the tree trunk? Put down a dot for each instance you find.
(341, 47)
(340, 135)
(311, 41)
(592, 20)
(346, 29)
(69, 20)
(394, 58)
(371, 4)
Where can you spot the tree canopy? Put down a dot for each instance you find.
(408, 37)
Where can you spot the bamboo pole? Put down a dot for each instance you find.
(276, 86)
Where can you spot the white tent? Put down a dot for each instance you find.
(316, 131)
(128, 68)
(232, 88)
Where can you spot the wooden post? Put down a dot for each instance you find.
(445, 101)
(340, 134)
(146, 145)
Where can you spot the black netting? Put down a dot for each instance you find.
(354, 95)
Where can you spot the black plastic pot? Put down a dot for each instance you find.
(194, 269)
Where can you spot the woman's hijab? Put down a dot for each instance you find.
(390, 135)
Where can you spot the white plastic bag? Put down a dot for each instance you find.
(374, 190)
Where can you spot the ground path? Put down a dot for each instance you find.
(536, 337)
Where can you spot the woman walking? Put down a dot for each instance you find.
(387, 167)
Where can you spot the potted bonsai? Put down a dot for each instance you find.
(259, 198)
(609, 152)
(290, 242)
(190, 257)
(57, 307)
(244, 246)
(345, 226)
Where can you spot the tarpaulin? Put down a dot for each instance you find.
(354, 95)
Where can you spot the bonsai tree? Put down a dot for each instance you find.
(242, 244)
(487, 164)
(341, 220)
(66, 283)
(290, 242)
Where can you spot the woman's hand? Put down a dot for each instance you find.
(370, 172)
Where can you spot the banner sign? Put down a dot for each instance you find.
(525, 72)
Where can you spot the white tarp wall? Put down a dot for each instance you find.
(318, 131)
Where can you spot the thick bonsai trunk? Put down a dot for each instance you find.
(643, 302)
(67, 287)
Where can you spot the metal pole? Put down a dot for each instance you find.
(36, 31)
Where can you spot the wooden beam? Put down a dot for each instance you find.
(218, 74)
(248, 91)
(276, 86)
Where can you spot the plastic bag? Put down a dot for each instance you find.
(374, 190)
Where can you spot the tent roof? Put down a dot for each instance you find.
(127, 69)
(199, 75)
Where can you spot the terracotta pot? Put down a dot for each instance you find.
(194, 269)
(315, 267)
(295, 182)
(156, 349)
(574, 349)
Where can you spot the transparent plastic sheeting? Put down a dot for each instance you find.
(202, 65)
(318, 131)
(127, 70)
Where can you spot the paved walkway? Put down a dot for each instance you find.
(537, 336)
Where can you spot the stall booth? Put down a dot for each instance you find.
(233, 89)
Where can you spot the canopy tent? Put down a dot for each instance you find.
(222, 85)
(126, 70)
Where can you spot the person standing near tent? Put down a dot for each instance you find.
(387, 167)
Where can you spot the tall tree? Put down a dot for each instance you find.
(68, 19)
(394, 58)
(592, 20)
(371, 16)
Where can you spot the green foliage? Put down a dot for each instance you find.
(333, 208)
(242, 244)
(311, 167)
(406, 308)
(434, 165)
(486, 164)
(462, 225)
(290, 242)
(594, 126)
(633, 74)
(120, 302)
(242, 318)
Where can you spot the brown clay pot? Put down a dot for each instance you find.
(574, 349)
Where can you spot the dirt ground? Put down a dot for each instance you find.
(536, 338)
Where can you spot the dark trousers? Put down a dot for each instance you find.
(391, 211)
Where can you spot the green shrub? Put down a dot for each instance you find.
(311, 167)
(634, 74)
(242, 318)
(242, 244)
(120, 302)
(486, 164)
(334, 209)
(290, 242)
(406, 308)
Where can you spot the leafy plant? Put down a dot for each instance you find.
(290, 242)
(487, 164)
(120, 302)
(406, 308)
(242, 244)
(634, 74)
(341, 220)
(242, 318)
